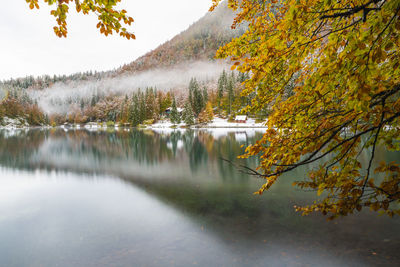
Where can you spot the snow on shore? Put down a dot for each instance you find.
(223, 123)
(9, 123)
(215, 123)
(218, 128)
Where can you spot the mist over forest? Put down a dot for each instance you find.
(167, 69)
(59, 97)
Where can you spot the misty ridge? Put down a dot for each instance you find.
(59, 97)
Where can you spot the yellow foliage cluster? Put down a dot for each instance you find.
(206, 114)
(342, 60)
(110, 19)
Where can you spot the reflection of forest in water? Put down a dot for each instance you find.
(138, 153)
(183, 169)
(86, 151)
(166, 155)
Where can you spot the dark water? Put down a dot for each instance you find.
(145, 198)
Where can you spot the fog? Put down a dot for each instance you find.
(58, 97)
(2, 93)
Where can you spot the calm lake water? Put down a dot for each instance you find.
(165, 198)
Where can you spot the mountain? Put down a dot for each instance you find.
(168, 68)
(199, 42)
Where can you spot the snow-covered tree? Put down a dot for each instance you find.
(187, 114)
(174, 116)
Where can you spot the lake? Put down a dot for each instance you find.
(166, 198)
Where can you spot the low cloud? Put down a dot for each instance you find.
(58, 97)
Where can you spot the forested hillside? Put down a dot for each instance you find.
(199, 42)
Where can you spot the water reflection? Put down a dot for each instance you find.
(157, 198)
(125, 153)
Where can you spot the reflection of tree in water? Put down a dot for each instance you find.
(187, 139)
(141, 146)
(51, 149)
(224, 206)
(227, 147)
(174, 138)
(17, 146)
(198, 154)
(230, 153)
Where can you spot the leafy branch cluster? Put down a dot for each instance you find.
(110, 19)
(342, 59)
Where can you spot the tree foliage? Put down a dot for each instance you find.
(187, 114)
(341, 59)
(110, 19)
(175, 117)
(196, 96)
(222, 84)
(206, 114)
(21, 106)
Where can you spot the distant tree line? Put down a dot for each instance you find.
(198, 104)
(45, 81)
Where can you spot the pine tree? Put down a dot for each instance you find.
(174, 116)
(150, 103)
(142, 108)
(160, 103)
(205, 94)
(193, 87)
(134, 116)
(166, 101)
(187, 114)
(124, 113)
(198, 103)
(222, 83)
(196, 98)
(229, 89)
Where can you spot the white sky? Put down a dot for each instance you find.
(28, 45)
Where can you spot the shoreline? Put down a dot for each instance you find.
(215, 124)
(124, 128)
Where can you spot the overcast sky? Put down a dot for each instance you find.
(28, 45)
